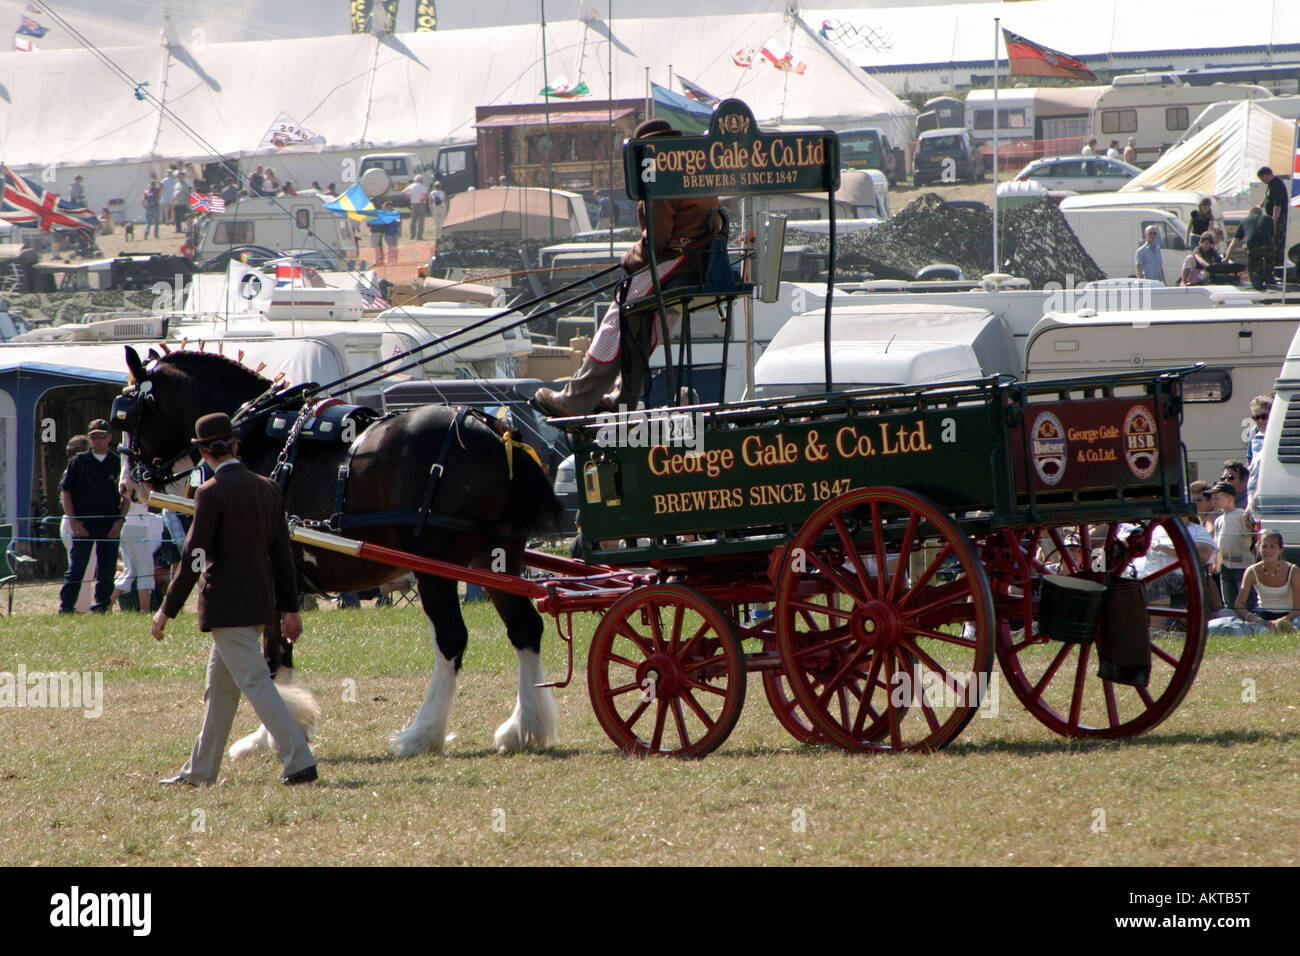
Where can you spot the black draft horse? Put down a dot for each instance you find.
(487, 507)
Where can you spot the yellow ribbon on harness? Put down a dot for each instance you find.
(511, 444)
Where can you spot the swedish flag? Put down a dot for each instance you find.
(355, 204)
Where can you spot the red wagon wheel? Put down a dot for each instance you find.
(787, 710)
(666, 673)
(885, 621)
(1057, 681)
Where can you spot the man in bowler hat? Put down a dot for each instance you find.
(94, 509)
(239, 545)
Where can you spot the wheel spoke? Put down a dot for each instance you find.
(680, 718)
(895, 737)
(704, 662)
(623, 689)
(941, 636)
(626, 631)
(1051, 671)
(620, 659)
(678, 613)
(686, 651)
(1080, 677)
(919, 583)
(661, 712)
(1164, 655)
(900, 571)
(882, 553)
(1112, 709)
(706, 688)
(915, 651)
(656, 628)
(949, 598)
(842, 673)
(825, 645)
(835, 577)
(633, 717)
(1146, 696)
(851, 549)
(700, 712)
(809, 609)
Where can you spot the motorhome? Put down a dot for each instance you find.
(1179, 203)
(1111, 235)
(873, 344)
(1279, 466)
(277, 222)
(1153, 108)
(1156, 108)
(1241, 350)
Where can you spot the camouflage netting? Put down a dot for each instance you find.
(60, 308)
(1036, 243)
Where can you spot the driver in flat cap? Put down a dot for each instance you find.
(239, 546)
(681, 226)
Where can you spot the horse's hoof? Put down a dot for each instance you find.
(404, 743)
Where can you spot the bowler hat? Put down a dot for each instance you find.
(98, 425)
(655, 127)
(213, 427)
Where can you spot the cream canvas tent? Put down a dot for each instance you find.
(523, 212)
(1223, 158)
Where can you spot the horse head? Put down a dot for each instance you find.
(157, 409)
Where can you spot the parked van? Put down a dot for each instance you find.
(455, 166)
(886, 345)
(1242, 348)
(1279, 468)
(1179, 203)
(400, 169)
(279, 222)
(1111, 236)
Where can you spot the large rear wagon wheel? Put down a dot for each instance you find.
(885, 622)
(666, 673)
(1057, 682)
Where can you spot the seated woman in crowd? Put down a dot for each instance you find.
(1197, 265)
(1276, 583)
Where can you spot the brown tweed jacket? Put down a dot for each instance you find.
(238, 552)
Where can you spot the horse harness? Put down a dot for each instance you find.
(331, 420)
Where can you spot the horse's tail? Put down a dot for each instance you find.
(533, 507)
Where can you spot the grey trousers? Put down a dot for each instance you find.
(236, 665)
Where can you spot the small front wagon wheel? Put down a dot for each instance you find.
(666, 673)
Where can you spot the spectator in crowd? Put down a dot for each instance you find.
(1259, 409)
(1232, 534)
(1171, 588)
(77, 191)
(153, 206)
(1256, 233)
(1148, 261)
(105, 222)
(1202, 219)
(142, 534)
(1274, 582)
(271, 186)
(1237, 474)
(377, 231)
(168, 196)
(417, 194)
(181, 203)
(1090, 149)
(1199, 492)
(76, 445)
(230, 194)
(1131, 152)
(1275, 207)
(257, 182)
(94, 510)
(1113, 150)
(287, 189)
(438, 208)
(392, 235)
(1196, 267)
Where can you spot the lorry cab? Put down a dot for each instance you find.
(456, 167)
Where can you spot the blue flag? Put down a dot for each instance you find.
(355, 204)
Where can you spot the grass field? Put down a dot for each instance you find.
(1215, 784)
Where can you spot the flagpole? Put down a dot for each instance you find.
(550, 170)
(997, 27)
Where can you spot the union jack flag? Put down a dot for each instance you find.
(26, 204)
(206, 203)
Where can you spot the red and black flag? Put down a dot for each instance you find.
(1033, 59)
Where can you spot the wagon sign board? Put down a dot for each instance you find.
(735, 158)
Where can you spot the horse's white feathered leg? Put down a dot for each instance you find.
(302, 705)
(429, 729)
(534, 723)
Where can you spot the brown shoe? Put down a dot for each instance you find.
(553, 404)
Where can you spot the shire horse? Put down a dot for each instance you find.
(487, 499)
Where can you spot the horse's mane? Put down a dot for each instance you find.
(193, 363)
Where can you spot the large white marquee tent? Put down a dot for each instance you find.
(77, 112)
